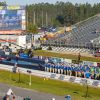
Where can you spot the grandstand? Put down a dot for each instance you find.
(79, 39)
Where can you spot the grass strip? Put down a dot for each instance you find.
(67, 56)
(56, 87)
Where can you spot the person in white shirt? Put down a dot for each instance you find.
(9, 92)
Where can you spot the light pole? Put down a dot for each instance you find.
(42, 18)
(30, 76)
(19, 70)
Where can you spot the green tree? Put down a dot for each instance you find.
(32, 28)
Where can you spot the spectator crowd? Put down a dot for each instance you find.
(78, 70)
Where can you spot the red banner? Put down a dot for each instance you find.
(98, 64)
(12, 40)
(97, 54)
(4, 40)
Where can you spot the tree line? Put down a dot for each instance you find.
(59, 14)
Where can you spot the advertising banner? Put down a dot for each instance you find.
(12, 40)
(72, 79)
(3, 40)
(96, 83)
(43, 57)
(53, 58)
(97, 54)
(23, 55)
(77, 61)
(88, 63)
(58, 60)
(11, 32)
(61, 77)
(36, 56)
(39, 57)
(67, 60)
(49, 58)
(83, 81)
(98, 64)
(52, 75)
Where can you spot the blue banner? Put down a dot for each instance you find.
(23, 55)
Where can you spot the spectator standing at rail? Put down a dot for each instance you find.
(79, 56)
(40, 66)
(17, 56)
(15, 67)
(0, 58)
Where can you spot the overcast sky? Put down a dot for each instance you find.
(24, 2)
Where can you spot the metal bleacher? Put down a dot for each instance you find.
(80, 36)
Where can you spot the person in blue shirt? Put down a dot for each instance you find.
(70, 73)
(76, 69)
(58, 69)
(45, 66)
(62, 68)
(84, 71)
(79, 72)
(53, 68)
(48, 65)
(88, 75)
(65, 69)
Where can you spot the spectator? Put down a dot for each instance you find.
(73, 72)
(0, 58)
(8, 58)
(79, 56)
(9, 92)
(13, 98)
(88, 75)
(58, 69)
(40, 66)
(17, 57)
(15, 67)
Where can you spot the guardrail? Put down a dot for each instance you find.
(93, 46)
(54, 75)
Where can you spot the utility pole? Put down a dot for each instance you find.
(42, 18)
(4, 3)
(34, 17)
(27, 19)
(37, 18)
(46, 20)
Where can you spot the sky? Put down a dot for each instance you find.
(24, 2)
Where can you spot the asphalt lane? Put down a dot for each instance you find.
(27, 93)
(33, 63)
(33, 66)
(31, 60)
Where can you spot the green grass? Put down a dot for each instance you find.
(57, 87)
(67, 56)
